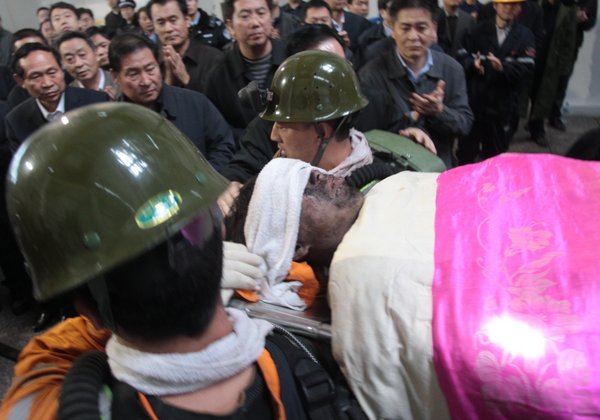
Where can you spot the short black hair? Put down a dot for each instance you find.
(39, 9)
(228, 6)
(171, 290)
(309, 36)
(383, 4)
(144, 9)
(72, 35)
(236, 219)
(82, 11)
(182, 6)
(104, 31)
(125, 44)
(316, 4)
(25, 33)
(63, 5)
(27, 49)
(429, 5)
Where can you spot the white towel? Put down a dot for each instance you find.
(272, 224)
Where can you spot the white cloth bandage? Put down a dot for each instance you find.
(272, 225)
(177, 373)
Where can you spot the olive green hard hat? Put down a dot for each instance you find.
(313, 86)
(102, 185)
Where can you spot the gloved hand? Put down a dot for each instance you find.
(241, 270)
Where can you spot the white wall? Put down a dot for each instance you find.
(583, 95)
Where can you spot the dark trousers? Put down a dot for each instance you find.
(488, 137)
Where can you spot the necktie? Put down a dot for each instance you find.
(451, 27)
(54, 116)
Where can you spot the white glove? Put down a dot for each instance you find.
(241, 270)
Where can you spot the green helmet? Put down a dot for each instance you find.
(313, 86)
(101, 186)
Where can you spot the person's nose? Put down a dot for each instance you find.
(47, 81)
(145, 79)
(254, 20)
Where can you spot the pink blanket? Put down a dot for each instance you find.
(516, 296)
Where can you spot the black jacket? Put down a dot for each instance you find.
(495, 94)
(196, 117)
(355, 25)
(255, 150)
(227, 78)
(452, 43)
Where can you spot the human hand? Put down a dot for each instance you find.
(582, 15)
(495, 62)
(227, 197)
(174, 66)
(419, 136)
(241, 270)
(110, 92)
(430, 104)
(477, 64)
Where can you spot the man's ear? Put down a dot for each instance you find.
(326, 129)
(229, 27)
(301, 252)
(18, 79)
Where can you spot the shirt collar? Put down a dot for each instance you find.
(60, 107)
(102, 83)
(387, 30)
(448, 14)
(195, 21)
(339, 26)
(415, 77)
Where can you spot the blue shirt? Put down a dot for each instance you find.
(415, 77)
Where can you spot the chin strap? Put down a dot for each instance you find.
(325, 141)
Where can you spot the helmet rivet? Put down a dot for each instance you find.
(91, 240)
(201, 177)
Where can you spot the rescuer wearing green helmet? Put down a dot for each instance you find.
(312, 103)
(100, 214)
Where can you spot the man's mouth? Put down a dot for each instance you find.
(51, 94)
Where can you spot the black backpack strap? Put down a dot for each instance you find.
(302, 375)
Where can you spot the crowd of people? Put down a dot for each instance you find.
(307, 81)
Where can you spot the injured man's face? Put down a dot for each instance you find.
(329, 208)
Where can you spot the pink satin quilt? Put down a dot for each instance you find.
(516, 295)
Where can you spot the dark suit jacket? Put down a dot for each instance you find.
(355, 25)
(6, 82)
(26, 118)
(196, 117)
(452, 44)
(531, 16)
